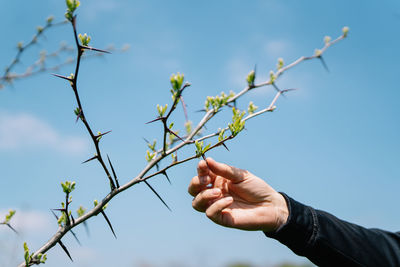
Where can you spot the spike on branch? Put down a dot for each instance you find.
(113, 171)
(157, 119)
(166, 175)
(108, 222)
(155, 192)
(63, 77)
(324, 63)
(92, 158)
(224, 146)
(76, 238)
(12, 228)
(65, 249)
(95, 49)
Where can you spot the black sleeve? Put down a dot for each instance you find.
(328, 241)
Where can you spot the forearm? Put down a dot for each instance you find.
(329, 241)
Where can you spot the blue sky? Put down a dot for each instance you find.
(333, 144)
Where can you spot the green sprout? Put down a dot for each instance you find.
(80, 211)
(162, 109)
(327, 39)
(188, 127)
(72, 5)
(250, 78)
(318, 52)
(221, 135)
(153, 145)
(150, 156)
(177, 81)
(272, 76)
(280, 63)
(68, 187)
(345, 31)
(252, 108)
(237, 124)
(218, 101)
(9, 216)
(200, 150)
(85, 39)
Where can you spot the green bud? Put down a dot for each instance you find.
(221, 135)
(150, 156)
(50, 19)
(95, 202)
(272, 76)
(177, 81)
(77, 111)
(345, 31)
(81, 211)
(39, 29)
(250, 78)
(9, 216)
(327, 39)
(68, 187)
(19, 45)
(26, 254)
(280, 63)
(199, 148)
(162, 109)
(85, 39)
(188, 127)
(318, 52)
(252, 108)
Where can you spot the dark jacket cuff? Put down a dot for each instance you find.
(299, 232)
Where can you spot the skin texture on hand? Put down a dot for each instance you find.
(236, 198)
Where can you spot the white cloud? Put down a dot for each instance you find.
(21, 131)
(28, 221)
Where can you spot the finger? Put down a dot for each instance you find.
(200, 182)
(203, 200)
(229, 172)
(215, 211)
(202, 171)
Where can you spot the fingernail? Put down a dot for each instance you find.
(215, 191)
(203, 179)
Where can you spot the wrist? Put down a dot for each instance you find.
(281, 211)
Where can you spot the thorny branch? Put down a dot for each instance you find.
(165, 151)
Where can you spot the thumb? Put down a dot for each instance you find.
(229, 172)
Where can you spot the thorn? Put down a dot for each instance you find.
(108, 222)
(65, 249)
(155, 192)
(12, 228)
(324, 63)
(112, 169)
(201, 110)
(94, 49)
(54, 214)
(157, 167)
(92, 158)
(147, 141)
(86, 228)
(166, 175)
(62, 77)
(76, 238)
(225, 146)
(100, 135)
(72, 218)
(278, 90)
(204, 157)
(172, 132)
(159, 118)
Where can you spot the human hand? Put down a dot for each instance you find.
(236, 198)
